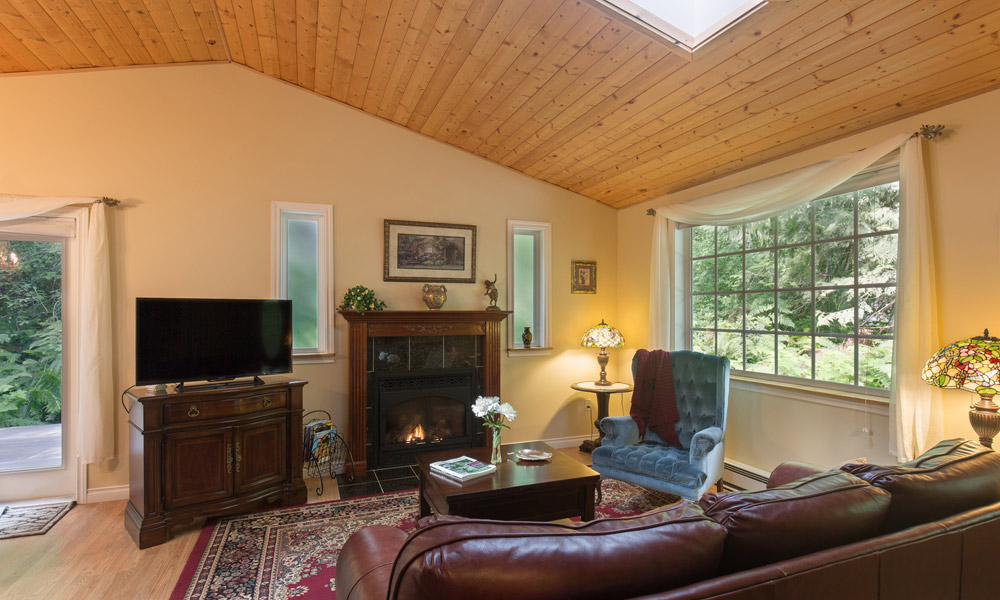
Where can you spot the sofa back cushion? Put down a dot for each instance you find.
(454, 557)
(810, 514)
(952, 477)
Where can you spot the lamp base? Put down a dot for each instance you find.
(985, 419)
(602, 359)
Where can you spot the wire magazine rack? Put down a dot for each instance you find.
(324, 450)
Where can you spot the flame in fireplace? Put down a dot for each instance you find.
(416, 435)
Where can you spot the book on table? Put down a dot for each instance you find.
(462, 468)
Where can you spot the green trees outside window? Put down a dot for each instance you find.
(809, 293)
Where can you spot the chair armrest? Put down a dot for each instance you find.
(364, 567)
(703, 442)
(788, 472)
(619, 431)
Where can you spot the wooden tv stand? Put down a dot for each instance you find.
(210, 453)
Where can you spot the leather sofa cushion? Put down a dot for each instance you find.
(810, 514)
(952, 477)
(454, 557)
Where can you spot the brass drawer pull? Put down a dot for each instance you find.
(266, 402)
(193, 411)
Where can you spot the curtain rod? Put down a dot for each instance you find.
(928, 131)
(109, 201)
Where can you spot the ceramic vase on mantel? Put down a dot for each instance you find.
(495, 456)
(434, 296)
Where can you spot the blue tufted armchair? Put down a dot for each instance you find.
(701, 385)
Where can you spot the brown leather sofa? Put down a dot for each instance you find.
(925, 529)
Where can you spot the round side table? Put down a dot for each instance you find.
(603, 396)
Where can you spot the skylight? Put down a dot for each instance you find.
(689, 23)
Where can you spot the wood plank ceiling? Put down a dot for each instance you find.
(559, 90)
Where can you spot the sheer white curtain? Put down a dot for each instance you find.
(95, 385)
(917, 414)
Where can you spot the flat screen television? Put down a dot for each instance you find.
(193, 339)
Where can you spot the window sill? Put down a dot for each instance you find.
(875, 403)
(313, 359)
(529, 351)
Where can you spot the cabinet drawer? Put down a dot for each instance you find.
(195, 410)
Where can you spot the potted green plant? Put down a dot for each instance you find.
(360, 298)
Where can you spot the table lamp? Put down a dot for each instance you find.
(973, 365)
(602, 336)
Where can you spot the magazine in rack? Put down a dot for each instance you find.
(462, 468)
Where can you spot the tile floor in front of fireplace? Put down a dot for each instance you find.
(377, 481)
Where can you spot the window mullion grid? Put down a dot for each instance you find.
(774, 284)
(743, 290)
(812, 293)
(857, 298)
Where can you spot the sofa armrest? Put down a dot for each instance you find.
(364, 567)
(790, 471)
(619, 431)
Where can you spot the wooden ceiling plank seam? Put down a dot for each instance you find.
(103, 33)
(587, 60)
(445, 28)
(67, 20)
(145, 29)
(123, 29)
(306, 19)
(414, 41)
(764, 75)
(58, 39)
(211, 29)
(166, 27)
(394, 34)
(30, 38)
(889, 109)
(635, 103)
(8, 64)
(277, 35)
(369, 40)
(481, 70)
(19, 53)
(480, 17)
(465, 121)
(794, 96)
(351, 16)
(761, 138)
(231, 30)
(246, 27)
(327, 26)
(190, 29)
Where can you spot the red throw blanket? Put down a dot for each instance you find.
(654, 403)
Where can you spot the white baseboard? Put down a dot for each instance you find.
(106, 494)
(567, 442)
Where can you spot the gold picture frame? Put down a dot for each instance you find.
(583, 277)
(429, 252)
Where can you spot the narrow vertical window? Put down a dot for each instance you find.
(303, 273)
(528, 260)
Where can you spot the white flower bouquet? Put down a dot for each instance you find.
(494, 415)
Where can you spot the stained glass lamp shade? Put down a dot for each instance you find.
(972, 365)
(602, 336)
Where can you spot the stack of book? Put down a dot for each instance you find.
(462, 468)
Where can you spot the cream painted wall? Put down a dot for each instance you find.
(766, 429)
(198, 153)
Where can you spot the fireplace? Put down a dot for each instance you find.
(397, 349)
(419, 411)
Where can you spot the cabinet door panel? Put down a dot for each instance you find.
(198, 466)
(261, 460)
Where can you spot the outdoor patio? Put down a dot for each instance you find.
(30, 447)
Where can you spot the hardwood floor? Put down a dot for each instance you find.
(88, 555)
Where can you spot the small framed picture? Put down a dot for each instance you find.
(583, 277)
(419, 251)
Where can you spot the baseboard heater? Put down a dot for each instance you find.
(739, 476)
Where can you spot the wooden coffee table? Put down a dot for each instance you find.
(519, 490)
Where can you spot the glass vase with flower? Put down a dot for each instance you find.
(494, 415)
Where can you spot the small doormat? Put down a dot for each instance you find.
(19, 521)
(292, 552)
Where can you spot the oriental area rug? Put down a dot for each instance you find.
(292, 552)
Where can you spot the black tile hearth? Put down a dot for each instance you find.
(359, 489)
(377, 481)
(398, 485)
(393, 473)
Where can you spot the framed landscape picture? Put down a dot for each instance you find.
(583, 277)
(418, 251)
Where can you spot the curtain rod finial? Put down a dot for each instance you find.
(651, 212)
(110, 201)
(930, 131)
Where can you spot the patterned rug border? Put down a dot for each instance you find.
(8, 513)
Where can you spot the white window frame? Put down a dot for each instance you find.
(542, 343)
(323, 215)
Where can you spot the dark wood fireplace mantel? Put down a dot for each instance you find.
(389, 323)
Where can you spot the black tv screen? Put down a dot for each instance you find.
(192, 339)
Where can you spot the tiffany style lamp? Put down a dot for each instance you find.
(973, 365)
(602, 336)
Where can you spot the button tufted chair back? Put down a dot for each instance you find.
(701, 385)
